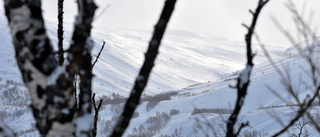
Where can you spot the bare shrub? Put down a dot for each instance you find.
(210, 110)
(159, 97)
(14, 93)
(141, 131)
(116, 108)
(174, 112)
(216, 126)
(176, 133)
(158, 121)
(152, 125)
(301, 127)
(254, 133)
(151, 104)
(108, 125)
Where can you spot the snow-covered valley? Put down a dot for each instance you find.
(191, 84)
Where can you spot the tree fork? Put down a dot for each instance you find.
(49, 85)
(96, 114)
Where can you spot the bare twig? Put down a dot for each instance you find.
(286, 82)
(285, 32)
(98, 54)
(101, 13)
(96, 114)
(315, 125)
(304, 30)
(304, 107)
(300, 127)
(242, 126)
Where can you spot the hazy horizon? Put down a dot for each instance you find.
(216, 18)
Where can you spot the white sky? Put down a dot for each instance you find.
(219, 18)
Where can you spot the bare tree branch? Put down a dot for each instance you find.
(80, 51)
(304, 30)
(142, 79)
(244, 77)
(101, 13)
(286, 82)
(60, 32)
(242, 126)
(98, 54)
(304, 107)
(96, 114)
(300, 127)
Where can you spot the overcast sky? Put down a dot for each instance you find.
(219, 18)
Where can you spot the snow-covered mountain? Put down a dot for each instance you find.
(190, 84)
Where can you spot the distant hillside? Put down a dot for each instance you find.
(189, 91)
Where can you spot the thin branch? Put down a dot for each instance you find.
(315, 125)
(285, 79)
(304, 30)
(300, 127)
(142, 79)
(285, 32)
(304, 107)
(242, 126)
(101, 13)
(96, 114)
(244, 77)
(75, 95)
(98, 54)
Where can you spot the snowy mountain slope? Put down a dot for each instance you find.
(260, 104)
(185, 60)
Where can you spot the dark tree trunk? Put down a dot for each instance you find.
(142, 79)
